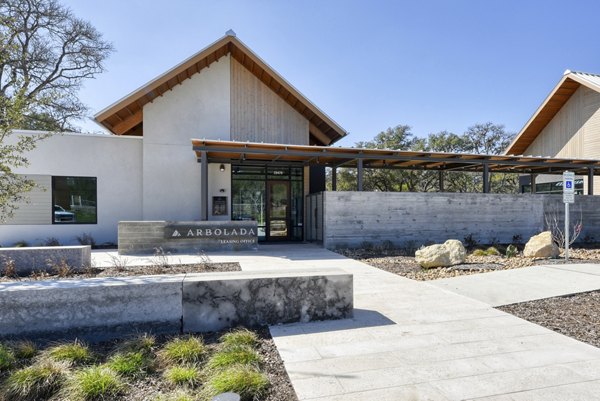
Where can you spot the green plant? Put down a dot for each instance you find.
(244, 380)
(7, 358)
(511, 251)
(94, 383)
(239, 337)
(35, 382)
(75, 353)
(183, 375)
(234, 355)
(131, 364)
(142, 343)
(176, 396)
(479, 252)
(492, 251)
(25, 349)
(183, 350)
(21, 244)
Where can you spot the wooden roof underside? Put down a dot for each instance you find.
(546, 112)
(126, 116)
(260, 153)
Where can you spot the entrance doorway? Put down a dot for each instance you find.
(271, 195)
(278, 210)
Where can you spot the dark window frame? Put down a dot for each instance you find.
(54, 177)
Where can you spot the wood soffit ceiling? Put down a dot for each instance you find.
(262, 153)
(125, 116)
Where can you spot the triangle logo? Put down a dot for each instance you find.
(176, 234)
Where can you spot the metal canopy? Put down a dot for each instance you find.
(263, 153)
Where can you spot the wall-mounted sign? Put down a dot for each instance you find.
(219, 206)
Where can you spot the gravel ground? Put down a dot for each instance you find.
(397, 262)
(576, 316)
(124, 271)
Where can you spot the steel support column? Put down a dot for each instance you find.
(334, 179)
(532, 181)
(203, 186)
(486, 178)
(591, 181)
(359, 174)
(441, 180)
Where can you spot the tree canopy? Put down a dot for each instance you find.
(46, 53)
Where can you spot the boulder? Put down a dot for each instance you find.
(451, 252)
(541, 246)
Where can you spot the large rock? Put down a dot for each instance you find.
(451, 252)
(541, 246)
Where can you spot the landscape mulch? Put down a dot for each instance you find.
(576, 316)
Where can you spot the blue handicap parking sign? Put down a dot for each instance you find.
(569, 184)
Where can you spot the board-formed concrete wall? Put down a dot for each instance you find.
(409, 219)
(26, 260)
(104, 308)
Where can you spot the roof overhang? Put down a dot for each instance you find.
(561, 93)
(124, 116)
(267, 153)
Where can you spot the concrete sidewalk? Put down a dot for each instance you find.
(411, 340)
(524, 284)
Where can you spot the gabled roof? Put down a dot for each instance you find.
(563, 91)
(125, 116)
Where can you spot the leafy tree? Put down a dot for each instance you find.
(45, 55)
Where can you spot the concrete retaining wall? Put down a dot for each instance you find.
(104, 308)
(413, 219)
(144, 237)
(45, 258)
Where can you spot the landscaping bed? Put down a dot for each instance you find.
(121, 270)
(161, 368)
(576, 316)
(400, 262)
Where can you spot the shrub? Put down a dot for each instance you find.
(234, 355)
(10, 269)
(94, 383)
(183, 375)
(492, 251)
(86, 239)
(21, 244)
(479, 252)
(470, 241)
(25, 349)
(51, 241)
(7, 358)
(131, 364)
(244, 380)
(183, 350)
(35, 382)
(75, 353)
(61, 269)
(239, 337)
(511, 251)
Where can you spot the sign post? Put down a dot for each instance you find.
(568, 198)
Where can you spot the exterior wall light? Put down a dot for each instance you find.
(222, 167)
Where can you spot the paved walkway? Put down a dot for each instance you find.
(525, 284)
(412, 340)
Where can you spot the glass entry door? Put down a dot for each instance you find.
(278, 210)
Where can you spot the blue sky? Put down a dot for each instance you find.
(433, 65)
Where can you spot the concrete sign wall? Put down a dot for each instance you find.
(144, 237)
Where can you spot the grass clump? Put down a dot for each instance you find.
(239, 337)
(183, 375)
(144, 343)
(33, 383)
(7, 358)
(94, 383)
(177, 396)
(75, 353)
(479, 252)
(25, 349)
(234, 355)
(491, 251)
(183, 350)
(244, 380)
(131, 364)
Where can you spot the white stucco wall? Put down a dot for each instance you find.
(199, 108)
(115, 161)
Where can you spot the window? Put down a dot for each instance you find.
(74, 200)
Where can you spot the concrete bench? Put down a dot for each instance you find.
(103, 308)
(44, 258)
